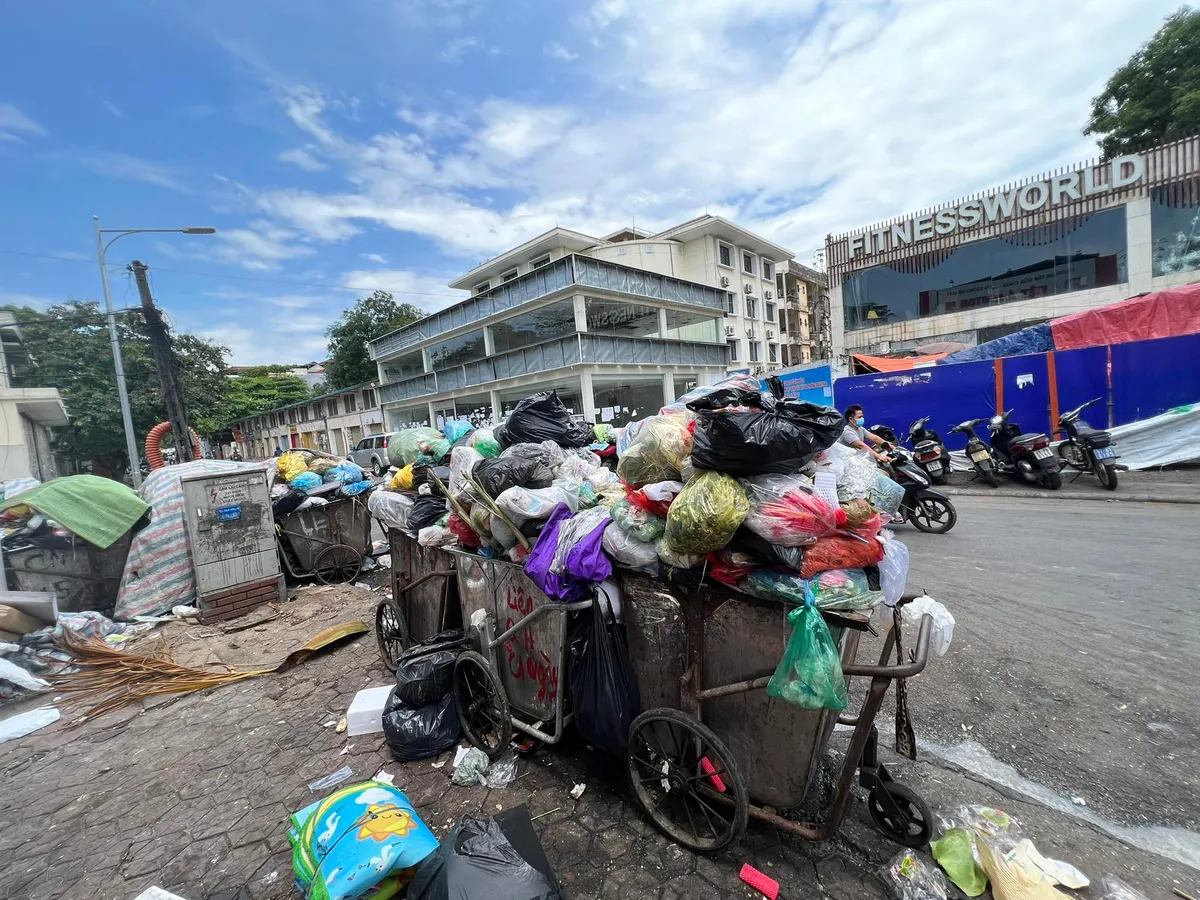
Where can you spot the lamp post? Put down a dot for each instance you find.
(135, 469)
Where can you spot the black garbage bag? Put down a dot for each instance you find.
(421, 476)
(764, 552)
(499, 858)
(542, 417)
(424, 676)
(418, 732)
(603, 686)
(498, 474)
(288, 503)
(780, 437)
(426, 511)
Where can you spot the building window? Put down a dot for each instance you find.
(619, 402)
(482, 287)
(685, 383)
(553, 321)
(318, 410)
(730, 300)
(368, 399)
(690, 326)
(508, 276)
(1075, 254)
(1175, 227)
(769, 310)
(733, 349)
(402, 367)
(748, 263)
(541, 261)
(755, 351)
(751, 308)
(773, 353)
(724, 255)
(768, 268)
(348, 403)
(457, 351)
(617, 317)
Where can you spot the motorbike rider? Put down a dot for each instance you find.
(856, 435)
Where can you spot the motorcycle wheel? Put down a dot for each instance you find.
(1107, 476)
(1071, 458)
(933, 515)
(1051, 480)
(988, 471)
(938, 479)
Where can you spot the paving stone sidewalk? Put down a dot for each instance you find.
(193, 795)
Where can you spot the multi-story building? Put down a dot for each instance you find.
(804, 314)
(27, 414)
(334, 422)
(993, 263)
(619, 325)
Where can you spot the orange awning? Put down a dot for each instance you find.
(888, 364)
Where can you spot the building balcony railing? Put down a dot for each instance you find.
(566, 272)
(599, 349)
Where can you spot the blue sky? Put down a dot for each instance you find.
(342, 147)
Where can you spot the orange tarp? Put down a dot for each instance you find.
(887, 364)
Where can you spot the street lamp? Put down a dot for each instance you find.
(135, 469)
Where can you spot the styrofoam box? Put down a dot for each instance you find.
(365, 715)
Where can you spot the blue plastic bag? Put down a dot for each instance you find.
(306, 481)
(345, 473)
(357, 487)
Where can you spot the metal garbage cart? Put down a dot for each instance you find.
(83, 576)
(424, 600)
(711, 749)
(326, 542)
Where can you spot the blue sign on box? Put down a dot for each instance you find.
(229, 513)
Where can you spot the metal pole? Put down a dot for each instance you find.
(135, 462)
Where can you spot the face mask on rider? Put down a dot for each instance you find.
(859, 421)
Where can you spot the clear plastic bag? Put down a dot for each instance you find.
(885, 495)
(628, 551)
(705, 515)
(1113, 888)
(574, 467)
(662, 444)
(526, 504)
(840, 589)
(786, 511)
(485, 443)
(810, 673)
(912, 878)
(572, 531)
(857, 478)
(638, 523)
(462, 462)
(436, 536)
(893, 570)
(943, 622)
(427, 445)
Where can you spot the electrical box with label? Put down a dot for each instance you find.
(231, 535)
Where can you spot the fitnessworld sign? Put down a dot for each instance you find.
(1030, 198)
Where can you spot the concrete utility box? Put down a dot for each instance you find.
(231, 534)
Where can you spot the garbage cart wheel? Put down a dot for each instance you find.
(686, 781)
(391, 633)
(900, 814)
(482, 705)
(337, 564)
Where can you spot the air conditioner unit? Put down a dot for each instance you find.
(750, 331)
(729, 331)
(724, 281)
(767, 295)
(749, 288)
(770, 334)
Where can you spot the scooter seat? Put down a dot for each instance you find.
(1027, 438)
(1083, 429)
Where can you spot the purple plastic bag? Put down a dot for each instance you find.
(585, 563)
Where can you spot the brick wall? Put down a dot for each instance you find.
(237, 601)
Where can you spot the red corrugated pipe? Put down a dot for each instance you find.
(154, 444)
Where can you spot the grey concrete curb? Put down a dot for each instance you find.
(1107, 496)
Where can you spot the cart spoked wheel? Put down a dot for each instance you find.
(482, 704)
(391, 632)
(900, 814)
(684, 779)
(337, 564)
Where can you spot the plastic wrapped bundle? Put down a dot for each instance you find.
(840, 551)
(630, 552)
(810, 673)
(427, 445)
(436, 536)
(638, 523)
(526, 504)
(857, 512)
(839, 589)
(785, 510)
(572, 532)
(780, 438)
(574, 467)
(466, 535)
(662, 445)
(656, 498)
(748, 383)
(457, 429)
(462, 462)
(322, 464)
(354, 489)
(426, 511)
(730, 566)
(705, 515)
(503, 472)
(542, 417)
(403, 479)
(886, 495)
(857, 479)
(343, 473)
(306, 481)
(392, 507)
(604, 433)
(485, 443)
(290, 464)
(675, 560)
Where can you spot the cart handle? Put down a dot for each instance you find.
(901, 670)
(525, 620)
(441, 573)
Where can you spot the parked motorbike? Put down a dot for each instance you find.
(927, 509)
(1024, 456)
(978, 452)
(1088, 449)
(929, 451)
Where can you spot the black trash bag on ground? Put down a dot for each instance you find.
(779, 437)
(424, 675)
(498, 474)
(542, 417)
(499, 858)
(426, 511)
(422, 731)
(604, 690)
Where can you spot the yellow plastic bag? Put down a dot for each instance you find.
(290, 465)
(403, 479)
(705, 515)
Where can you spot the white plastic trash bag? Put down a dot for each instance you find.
(943, 621)
(893, 571)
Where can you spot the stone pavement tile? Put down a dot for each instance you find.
(665, 856)
(614, 843)
(845, 879)
(567, 845)
(184, 871)
(690, 887)
(273, 878)
(630, 883)
(230, 872)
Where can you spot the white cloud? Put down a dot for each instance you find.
(303, 158)
(112, 108)
(426, 291)
(133, 168)
(555, 50)
(15, 125)
(377, 258)
(262, 247)
(454, 50)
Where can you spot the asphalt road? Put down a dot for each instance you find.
(1076, 651)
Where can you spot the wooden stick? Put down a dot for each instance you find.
(1182, 894)
(499, 513)
(458, 507)
(542, 815)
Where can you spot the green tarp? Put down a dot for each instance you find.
(99, 510)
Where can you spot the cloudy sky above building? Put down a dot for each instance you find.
(394, 144)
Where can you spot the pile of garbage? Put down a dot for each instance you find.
(731, 482)
(303, 478)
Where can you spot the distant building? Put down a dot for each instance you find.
(334, 422)
(804, 314)
(27, 415)
(312, 373)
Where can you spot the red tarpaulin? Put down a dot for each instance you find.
(1168, 313)
(888, 364)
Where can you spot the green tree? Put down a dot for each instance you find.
(261, 388)
(69, 349)
(370, 317)
(1155, 97)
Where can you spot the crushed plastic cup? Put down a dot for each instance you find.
(329, 781)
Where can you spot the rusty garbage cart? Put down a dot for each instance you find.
(325, 542)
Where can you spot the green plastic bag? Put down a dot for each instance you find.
(954, 852)
(705, 515)
(810, 673)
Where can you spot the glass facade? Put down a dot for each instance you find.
(691, 326)
(459, 350)
(1072, 255)
(619, 402)
(403, 367)
(1175, 227)
(685, 383)
(569, 392)
(553, 321)
(624, 319)
(409, 417)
